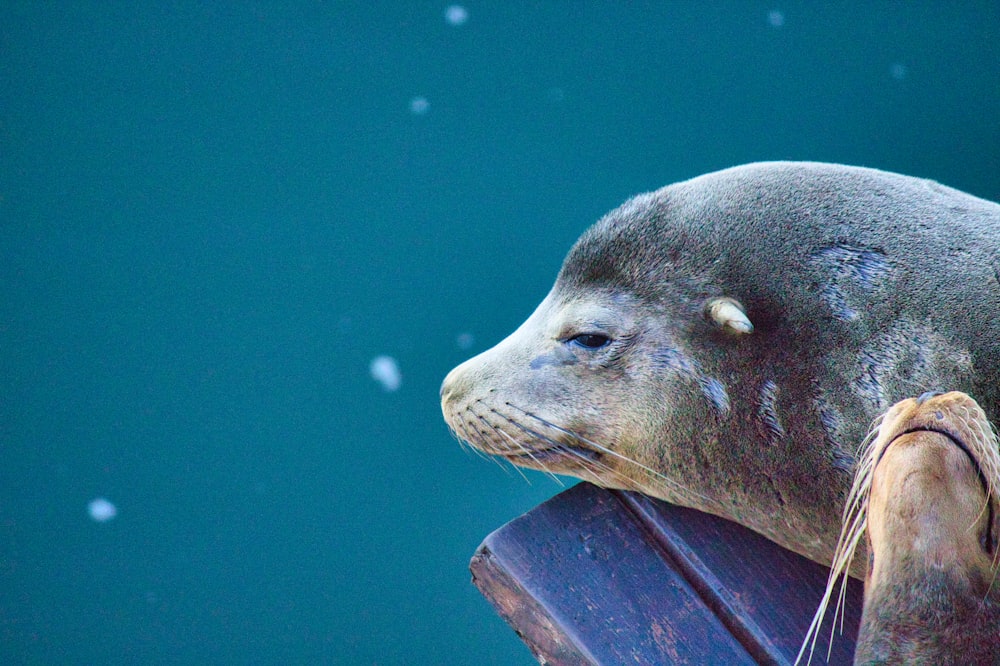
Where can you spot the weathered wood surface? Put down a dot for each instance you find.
(605, 577)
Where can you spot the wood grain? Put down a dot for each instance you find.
(605, 577)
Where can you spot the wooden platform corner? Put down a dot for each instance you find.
(603, 577)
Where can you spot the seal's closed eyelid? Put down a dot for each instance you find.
(590, 340)
(576, 327)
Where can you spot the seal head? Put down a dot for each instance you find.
(723, 343)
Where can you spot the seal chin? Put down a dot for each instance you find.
(562, 458)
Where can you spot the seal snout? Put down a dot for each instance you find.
(458, 391)
(924, 501)
(924, 495)
(468, 380)
(451, 385)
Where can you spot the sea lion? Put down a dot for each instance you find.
(723, 342)
(925, 497)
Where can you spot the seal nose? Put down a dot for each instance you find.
(927, 395)
(446, 386)
(455, 384)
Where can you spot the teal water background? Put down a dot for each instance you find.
(213, 216)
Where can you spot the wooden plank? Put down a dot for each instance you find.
(578, 580)
(602, 577)
(764, 594)
(505, 587)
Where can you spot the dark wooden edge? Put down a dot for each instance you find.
(744, 592)
(547, 642)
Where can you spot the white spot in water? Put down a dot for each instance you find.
(776, 18)
(385, 371)
(465, 341)
(456, 15)
(898, 71)
(419, 106)
(101, 510)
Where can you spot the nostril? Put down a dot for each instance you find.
(924, 397)
(448, 385)
(448, 389)
(454, 385)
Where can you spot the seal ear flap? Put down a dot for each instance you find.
(728, 314)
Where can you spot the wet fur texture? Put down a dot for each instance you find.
(863, 287)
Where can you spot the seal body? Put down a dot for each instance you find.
(725, 342)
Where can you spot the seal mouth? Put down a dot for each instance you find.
(954, 416)
(551, 451)
(526, 439)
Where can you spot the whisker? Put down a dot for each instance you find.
(525, 450)
(518, 448)
(681, 490)
(989, 454)
(854, 523)
(483, 455)
(531, 455)
(587, 462)
(464, 442)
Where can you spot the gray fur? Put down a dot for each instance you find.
(863, 287)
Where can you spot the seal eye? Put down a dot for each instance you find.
(590, 340)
